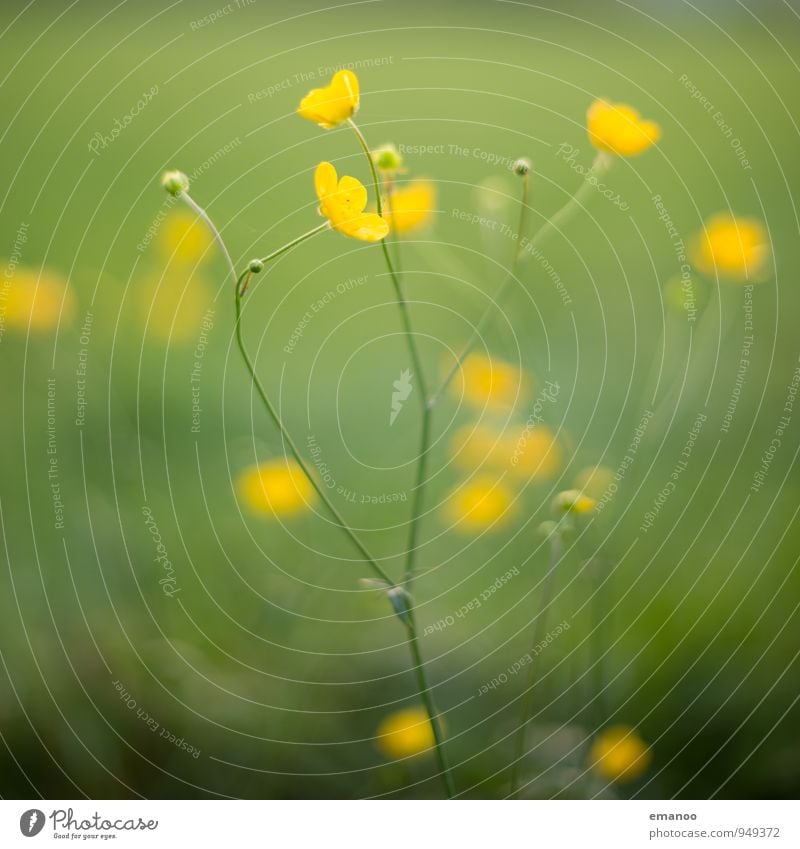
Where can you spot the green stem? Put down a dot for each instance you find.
(190, 201)
(307, 235)
(416, 508)
(538, 625)
(600, 163)
(240, 285)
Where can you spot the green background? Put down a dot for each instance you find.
(275, 664)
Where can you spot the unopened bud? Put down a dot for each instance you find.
(256, 266)
(521, 167)
(175, 182)
(573, 501)
(387, 158)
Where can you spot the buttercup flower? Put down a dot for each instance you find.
(185, 237)
(618, 128)
(733, 248)
(342, 202)
(39, 299)
(620, 754)
(480, 504)
(405, 733)
(276, 488)
(411, 206)
(334, 103)
(489, 382)
(525, 453)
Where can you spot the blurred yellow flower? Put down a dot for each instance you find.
(334, 103)
(405, 733)
(573, 501)
(525, 453)
(733, 248)
(36, 298)
(276, 488)
(480, 504)
(174, 303)
(594, 480)
(536, 453)
(620, 754)
(411, 206)
(342, 202)
(618, 128)
(185, 237)
(489, 382)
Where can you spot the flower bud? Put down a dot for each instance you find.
(256, 266)
(546, 529)
(387, 158)
(521, 167)
(573, 501)
(175, 182)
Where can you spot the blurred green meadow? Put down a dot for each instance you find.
(248, 661)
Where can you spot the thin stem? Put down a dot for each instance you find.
(416, 508)
(307, 235)
(550, 226)
(291, 444)
(190, 201)
(538, 625)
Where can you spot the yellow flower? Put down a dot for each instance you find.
(411, 206)
(39, 299)
(730, 247)
(276, 488)
(618, 128)
(530, 454)
(405, 733)
(620, 754)
(489, 382)
(334, 103)
(342, 202)
(573, 501)
(536, 453)
(184, 237)
(480, 504)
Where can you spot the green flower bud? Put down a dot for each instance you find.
(387, 158)
(521, 167)
(175, 182)
(256, 266)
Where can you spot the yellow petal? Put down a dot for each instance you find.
(334, 103)
(732, 248)
(618, 128)
(411, 206)
(367, 226)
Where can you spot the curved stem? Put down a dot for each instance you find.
(600, 163)
(538, 625)
(190, 201)
(307, 235)
(262, 394)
